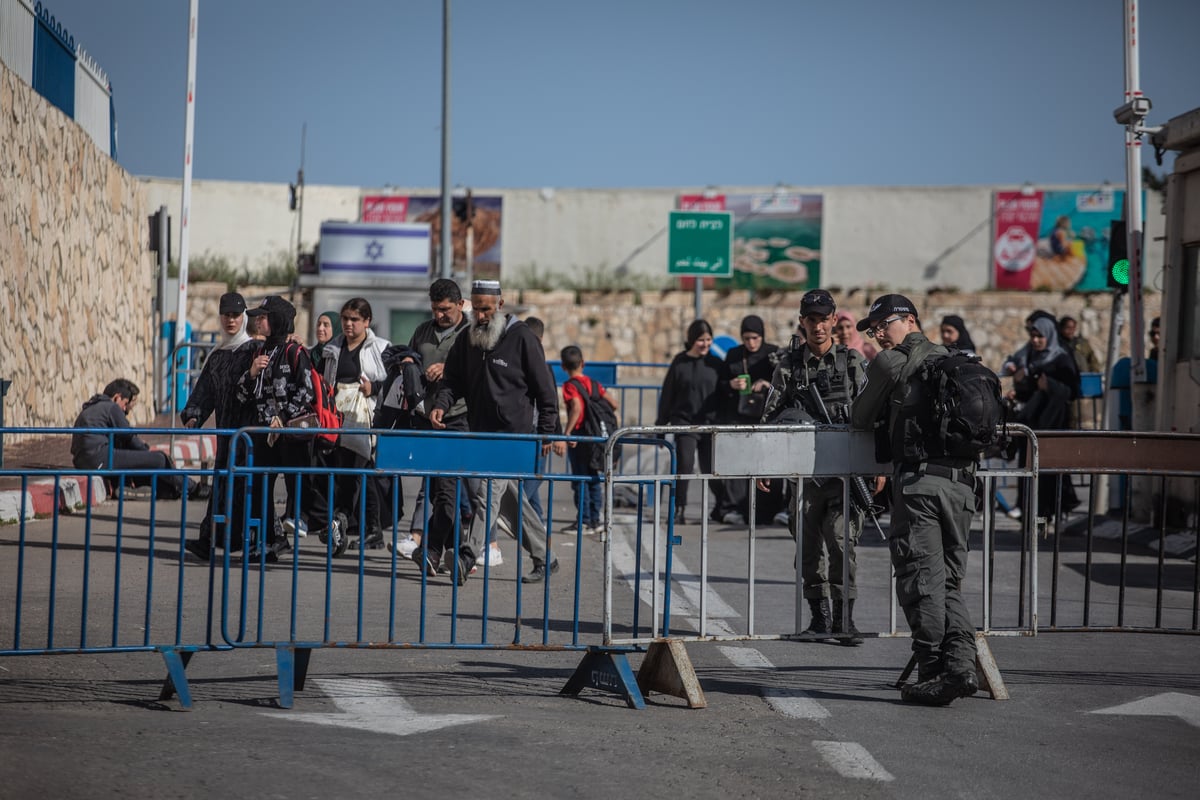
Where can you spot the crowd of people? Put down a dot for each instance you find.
(482, 372)
(486, 371)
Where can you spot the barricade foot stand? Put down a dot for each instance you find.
(985, 670)
(176, 681)
(668, 670)
(607, 671)
(292, 664)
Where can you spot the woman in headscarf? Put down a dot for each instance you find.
(215, 394)
(749, 368)
(278, 388)
(1045, 382)
(845, 332)
(690, 396)
(954, 334)
(327, 323)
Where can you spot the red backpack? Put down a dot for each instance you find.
(324, 412)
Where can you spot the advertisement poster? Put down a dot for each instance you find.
(486, 243)
(384, 208)
(1056, 240)
(485, 230)
(777, 238)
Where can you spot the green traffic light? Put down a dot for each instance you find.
(1120, 271)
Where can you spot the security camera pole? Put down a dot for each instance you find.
(1132, 114)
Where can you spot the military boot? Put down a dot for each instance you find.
(855, 637)
(942, 690)
(819, 627)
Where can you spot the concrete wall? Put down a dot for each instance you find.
(77, 288)
(906, 238)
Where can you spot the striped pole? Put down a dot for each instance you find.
(188, 140)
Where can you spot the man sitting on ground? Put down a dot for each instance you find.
(91, 450)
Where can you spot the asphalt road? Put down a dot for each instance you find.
(782, 718)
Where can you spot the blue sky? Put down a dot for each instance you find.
(639, 93)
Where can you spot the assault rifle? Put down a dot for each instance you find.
(860, 495)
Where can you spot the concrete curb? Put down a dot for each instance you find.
(39, 499)
(190, 452)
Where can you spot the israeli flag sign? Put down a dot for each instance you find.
(375, 248)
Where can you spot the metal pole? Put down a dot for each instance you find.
(164, 258)
(447, 245)
(300, 197)
(699, 299)
(189, 125)
(1133, 197)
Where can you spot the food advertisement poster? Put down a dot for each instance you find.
(1055, 240)
(777, 238)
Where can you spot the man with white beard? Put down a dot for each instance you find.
(500, 368)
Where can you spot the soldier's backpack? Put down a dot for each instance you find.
(951, 409)
(599, 419)
(324, 413)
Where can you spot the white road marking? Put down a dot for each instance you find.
(792, 703)
(851, 760)
(685, 600)
(374, 706)
(1167, 704)
(746, 657)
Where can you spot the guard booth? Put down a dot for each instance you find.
(386, 262)
(1177, 401)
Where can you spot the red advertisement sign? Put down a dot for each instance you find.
(384, 208)
(699, 202)
(1014, 238)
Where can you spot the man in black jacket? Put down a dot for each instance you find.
(499, 367)
(91, 450)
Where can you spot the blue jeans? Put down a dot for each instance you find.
(532, 489)
(591, 495)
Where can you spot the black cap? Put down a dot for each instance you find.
(817, 301)
(232, 303)
(885, 307)
(273, 304)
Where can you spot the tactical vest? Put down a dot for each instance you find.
(835, 385)
(912, 418)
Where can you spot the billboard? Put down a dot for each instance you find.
(1055, 240)
(485, 228)
(776, 238)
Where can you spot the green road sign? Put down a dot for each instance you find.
(700, 243)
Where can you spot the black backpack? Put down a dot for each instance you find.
(599, 419)
(951, 409)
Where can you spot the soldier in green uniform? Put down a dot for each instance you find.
(816, 383)
(933, 501)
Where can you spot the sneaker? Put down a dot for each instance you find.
(941, 690)
(733, 518)
(374, 541)
(425, 561)
(539, 572)
(492, 558)
(295, 526)
(280, 547)
(466, 566)
(571, 528)
(404, 547)
(781, 518)
(1014, 513)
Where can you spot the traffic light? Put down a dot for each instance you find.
(1118, 256)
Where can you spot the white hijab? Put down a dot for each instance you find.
(236, 340)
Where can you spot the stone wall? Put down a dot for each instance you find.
(649, 327)
(77, 277)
